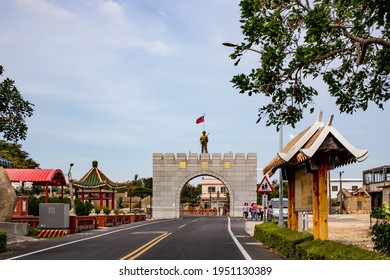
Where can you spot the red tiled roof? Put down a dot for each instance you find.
(37, 176)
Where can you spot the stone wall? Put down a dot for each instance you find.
(172, 171)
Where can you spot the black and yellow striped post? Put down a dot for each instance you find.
(50, 233)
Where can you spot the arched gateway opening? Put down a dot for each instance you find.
(172, 171)
(210, 196)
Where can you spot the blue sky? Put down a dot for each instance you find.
(116, 81)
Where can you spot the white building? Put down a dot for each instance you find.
(347, 184)
(213, 194)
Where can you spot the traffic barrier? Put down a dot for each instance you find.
(50, 233)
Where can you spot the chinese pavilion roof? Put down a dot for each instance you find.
(95, 178)
(317, 138)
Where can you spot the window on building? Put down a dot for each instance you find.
(211, 189)
(335, 188)
(359, 205)
(223, 189)
(354, 188)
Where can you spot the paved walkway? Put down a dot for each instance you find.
(250, 226)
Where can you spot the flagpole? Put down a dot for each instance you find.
(204, 123)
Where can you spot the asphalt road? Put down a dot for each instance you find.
(188, 238)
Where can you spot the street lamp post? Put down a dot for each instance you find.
(341, 193)
(71, 186)
(280, 222)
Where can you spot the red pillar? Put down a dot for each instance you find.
(47, 193)
(113, 200)
(101, 197)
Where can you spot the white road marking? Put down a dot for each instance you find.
(242, 250)
(80, 240)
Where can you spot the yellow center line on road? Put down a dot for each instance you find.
(136, 253)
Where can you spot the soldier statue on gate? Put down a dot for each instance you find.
(203, 141)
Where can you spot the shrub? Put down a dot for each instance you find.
(33, 205)
(381, 237)
(330, 250)
(302, 246)
(33, 232)
(82, 209)
(283, 240)
(3, 242)
(381, 213)
(106, 210)
(89, 206)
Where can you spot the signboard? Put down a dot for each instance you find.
(264, 186)
(303, 190)
(265, 200)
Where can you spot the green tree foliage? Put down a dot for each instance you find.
(344, 42)
(142, 192)
(190, 194)
(13, 111)
(14, 153)
(83, 209)
(381, 231)
(142, 187)
(33, 205)
(381, 237)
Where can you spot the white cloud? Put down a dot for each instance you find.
(44, 9)
(159, 48)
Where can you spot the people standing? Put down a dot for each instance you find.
(253, 210)
(261, 212)
(258, 211)
(245, 210)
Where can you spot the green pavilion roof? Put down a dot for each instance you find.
(95, 178)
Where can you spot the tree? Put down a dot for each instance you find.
(190, 194)
(344, 42)
(13, 111)
(15, 154)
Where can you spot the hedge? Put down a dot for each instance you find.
(3, 242)
(296, 245)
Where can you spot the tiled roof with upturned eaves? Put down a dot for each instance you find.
(95, 178)
(308, 142)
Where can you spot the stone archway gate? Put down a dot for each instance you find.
(172, 171)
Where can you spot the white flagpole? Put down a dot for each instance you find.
(204, 122)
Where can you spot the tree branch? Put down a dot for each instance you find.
(364, 41)
(326, 56)
(299, 3)
(361, 43)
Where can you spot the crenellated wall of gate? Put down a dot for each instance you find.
(172, 171)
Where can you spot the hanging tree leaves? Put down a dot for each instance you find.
(13, 111)
(344, 42)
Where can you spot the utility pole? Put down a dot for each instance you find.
(280, 222)
(341, 193)
(71, 187)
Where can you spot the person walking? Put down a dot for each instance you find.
(245, 210)
(258, 211)
(261, 212)
(253, 210)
